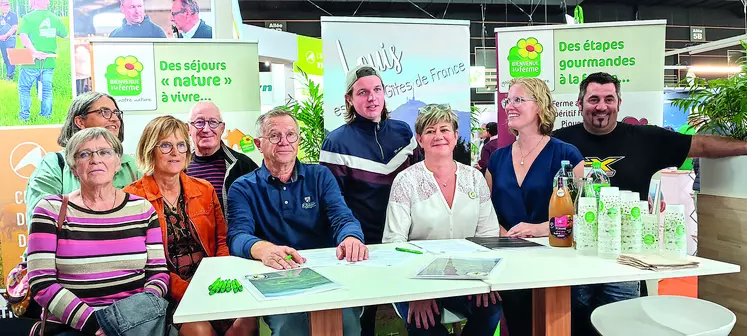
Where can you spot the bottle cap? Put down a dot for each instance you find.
(565, 162)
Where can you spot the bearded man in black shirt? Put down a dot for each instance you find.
(630, 155)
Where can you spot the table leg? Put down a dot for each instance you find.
(551, 308)
(325, 323)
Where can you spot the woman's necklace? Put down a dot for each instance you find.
(443, 184)
(170, 204)
(113, 203)
(530, 152)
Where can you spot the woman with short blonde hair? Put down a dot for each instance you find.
(189, 213)
(440, 198)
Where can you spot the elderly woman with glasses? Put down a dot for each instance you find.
(190, 214)
(53, 176)
(108, 248)
(521, 178)
(440, 198)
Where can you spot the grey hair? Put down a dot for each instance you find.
(79, 107)
(275, 112)
(192, 5)
(86, 135)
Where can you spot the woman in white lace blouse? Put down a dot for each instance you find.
(440, 198)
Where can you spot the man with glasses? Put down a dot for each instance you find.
(185, 14)
(213, 160)
(286, 206)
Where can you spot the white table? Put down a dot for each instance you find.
(362, 286)
(548, 271)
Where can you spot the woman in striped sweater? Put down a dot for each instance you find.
(108, 248)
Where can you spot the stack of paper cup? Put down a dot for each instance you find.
(650, 230)
(586, 226)
(632, 229)
(675, 232)
(609, 223)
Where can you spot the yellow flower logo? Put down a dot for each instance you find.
(529, 48)
(128, 66)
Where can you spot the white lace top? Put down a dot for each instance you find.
(417, 209)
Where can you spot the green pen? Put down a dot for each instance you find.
(213, 288)
(407, 250)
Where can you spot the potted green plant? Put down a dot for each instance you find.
(719, 107)
(310, 115)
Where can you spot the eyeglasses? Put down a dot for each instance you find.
(434, 107)
(200, 123)
(167, 147)
(275, 138)
(179, 12)
(515, 101)
(106, 113)
(103, 153)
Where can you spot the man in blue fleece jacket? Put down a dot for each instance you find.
(286, 205)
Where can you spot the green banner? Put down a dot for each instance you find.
(310, 58)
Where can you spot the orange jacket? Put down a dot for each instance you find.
(204, 213)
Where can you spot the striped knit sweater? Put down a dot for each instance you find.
(98, 257)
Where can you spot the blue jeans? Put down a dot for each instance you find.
(586, 298)
(297, 324)
(10, 43)
(480, 320)
(140, 314)
(26, 79)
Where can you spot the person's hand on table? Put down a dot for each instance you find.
(352, 249)
(482, 300)
(423, 312)
(276, 257)
(525, 230)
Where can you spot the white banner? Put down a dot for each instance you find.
(421, 62)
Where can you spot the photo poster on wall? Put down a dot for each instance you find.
(563, 55)
(416, 67)
(151, 78)
(36, 88)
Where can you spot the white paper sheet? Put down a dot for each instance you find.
(379, 257)
(449, 246)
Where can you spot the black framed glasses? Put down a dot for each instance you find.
(276, 138)
(200, 123)
(515, 101)
(179, 12)
(167, 147)
(104, 153)
(106, 113)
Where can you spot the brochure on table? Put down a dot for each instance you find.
(451, 268)
(280, 284)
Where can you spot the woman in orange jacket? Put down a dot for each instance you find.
(191, 218)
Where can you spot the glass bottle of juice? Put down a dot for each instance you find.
(561, 214)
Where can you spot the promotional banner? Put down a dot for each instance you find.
(563, 55)
(135, 19)
(35, 74)
(149, 78)
(417, 68)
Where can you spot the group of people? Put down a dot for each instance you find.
(143, 225)
(185, 19)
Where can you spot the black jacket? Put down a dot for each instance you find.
(237, 164)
